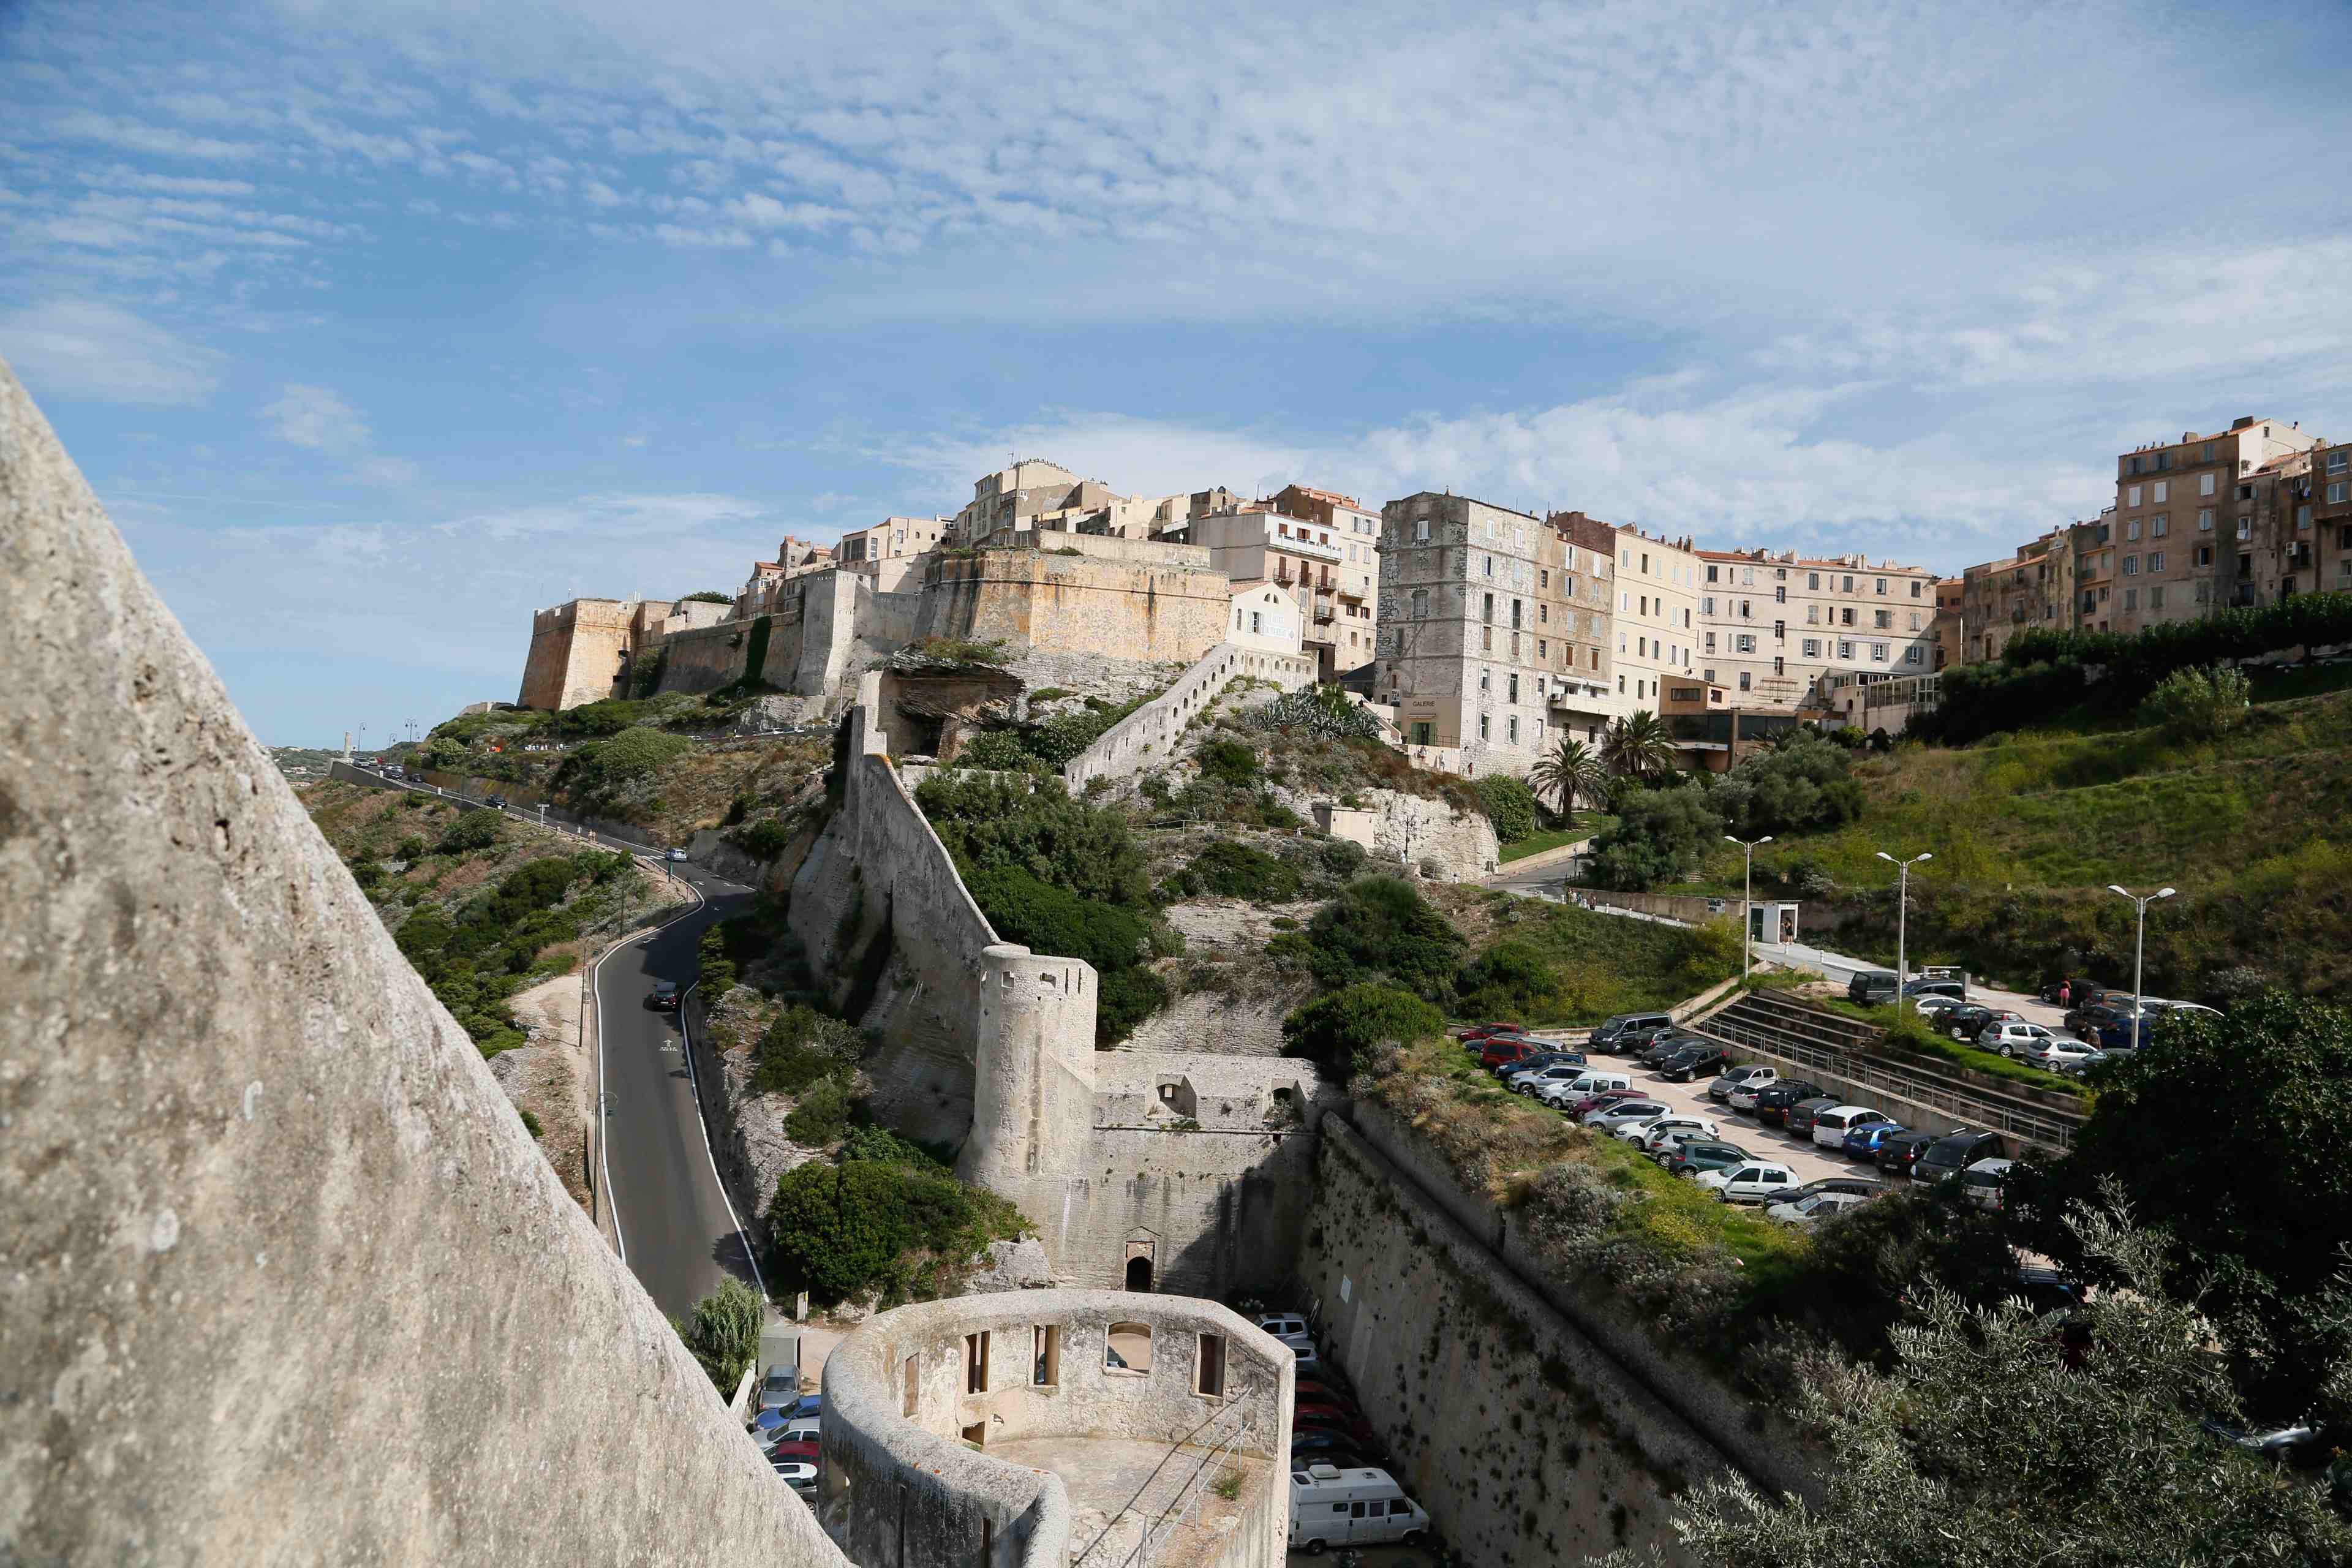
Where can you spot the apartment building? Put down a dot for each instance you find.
(1771, 627)
(892, 539)
(1950, 592)
(1349, 615)
(1657, 627)
(1583, 687)
(1484, 615)
(2329, 483)
(1329, 569)
(2032, 590)
(2186, 521)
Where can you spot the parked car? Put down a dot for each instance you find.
(1898, 1151)
(1812, 1210)
(1581, 1109)
(2111, 1007)
(1935, 1003)
(496, 801)
(1967, 1021)
(1829, 1128)
(1982, 1182)
(1303, 1349)
(1517, 1076)
(1854, 1187)
(1800, 1122)
(1506, 1052)
(1668, 1046)
(1481, 1031)
(1690, 1159)
(663, 997)
(1869, 984)
(1861, 1141)
(2167, 1011)
(1350, 1509)
(1557, 1093)
(1283, 1325)
(2013, 1040)
(1957, 990)
(2074, 986)
(1609, 1118)
(1648, 1135)
(780, 1390)
(1952, 1153)
(1695, 1061)
(802, 1450)
(1751, 1182)
(1311, 1417)
(676, 854)
(2065, 1056)
(1752, 1077)
(798, 1474)
(1628, 1032)
(1772, 1105)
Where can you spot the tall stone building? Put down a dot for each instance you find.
(1657, 617)
(2034, 590)
(2329, 484)
(1776, 630)
(2186, 517)
(1484, 613)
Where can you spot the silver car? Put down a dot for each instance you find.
(1609, 1118)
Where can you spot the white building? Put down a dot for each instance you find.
(1266, 618)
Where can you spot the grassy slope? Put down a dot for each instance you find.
(1604, 963)
(1584, 824)
(2028, 830)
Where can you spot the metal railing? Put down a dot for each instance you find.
(1216, 1455)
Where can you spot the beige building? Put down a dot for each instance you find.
(2188, 519)
(1265, 619)
(1329, 570)
(1657, 624)
(1772, 626)
(2034, 590)
(2329, 500)
(1491, 625)
(892, 539)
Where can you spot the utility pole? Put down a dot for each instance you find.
(1902, 914)
(2139, 954)
(1747, 888)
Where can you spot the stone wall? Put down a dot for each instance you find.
(1147, 609)
(1148, 736)
(254, 1170)
(1526, 1441)
(578, 650)
(900, 1489)
(704, 659)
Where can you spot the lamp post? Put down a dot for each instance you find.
(1902, 920)
(1747, 900)
(2139, 950)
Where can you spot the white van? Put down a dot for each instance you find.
(1332, 1507)
(1558, 1092)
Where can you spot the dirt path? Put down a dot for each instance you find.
(549, 1077)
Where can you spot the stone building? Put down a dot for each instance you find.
(2186, 519)
(1775, 626)
(1657, 617)
(2036, 589)
(1484, 613)
(1329, 567)
(2329, 485)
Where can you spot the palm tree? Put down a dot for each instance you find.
(1570, 771)
(1639, 747)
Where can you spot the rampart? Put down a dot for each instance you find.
(252, 1171)
(578, 652)
(1087, 601)
(918, 1399)
(1148, 736)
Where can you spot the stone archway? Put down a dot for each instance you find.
(1138, 1272)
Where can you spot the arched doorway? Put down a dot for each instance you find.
(1139, 1273)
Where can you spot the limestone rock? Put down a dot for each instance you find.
(1012, 1266)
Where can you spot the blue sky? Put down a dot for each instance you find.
(377, 327)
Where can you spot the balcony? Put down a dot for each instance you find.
(1305, 547)
(1324, 610)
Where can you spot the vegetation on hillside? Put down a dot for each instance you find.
(723, 1334)
(885, 1223)
(1804, 782)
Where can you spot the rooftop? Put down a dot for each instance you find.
(1119, 1488)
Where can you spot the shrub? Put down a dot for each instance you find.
(1380, 927)
(472, 830)
(1658, 833)
(724, 1333)
(1237, 871)
(1228, 763)
(597, 772)
(1050, 919)
(411, 849)
(888, 1227)
(2198, 704)
(1339, 1029)
(1513, 979)
(802, 1046)
(717, 970)
(1324, 711)
(823, 1114)
(531, 1125)
(992, 823)
(708, 597)
(998, 750)
(1510, 806)
(762, 840)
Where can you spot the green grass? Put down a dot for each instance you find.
(1598, 964)
(1909, 1035)
(1583, 826)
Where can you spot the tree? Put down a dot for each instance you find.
(2228, 1128)
(1380, 927)
(724, 1332)
(1570, 772)
(1997, 1441)
(1340, 1028)
(1510, 806)
(2198, 704)
(1658, 833)
(1639, 747)
(708, 597)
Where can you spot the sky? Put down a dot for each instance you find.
(378, 327)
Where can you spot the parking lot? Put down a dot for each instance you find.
(1766, 1143)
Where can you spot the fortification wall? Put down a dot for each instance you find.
(1148, 736)
(578, 651)
(900, 1486)
(704, 659)
(1079, 603)
(1527, 1444)
(252, 1168)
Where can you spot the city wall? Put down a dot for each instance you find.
(253, 1168)
(899, 1488)
(1146, 608)
(1148, 736)
(578, 651)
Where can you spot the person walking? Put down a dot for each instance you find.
(2065, 993)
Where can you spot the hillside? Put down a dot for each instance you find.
(2029, 830)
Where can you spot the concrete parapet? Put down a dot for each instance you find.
(253, 1169)
(1147, 736)
(917, 1397)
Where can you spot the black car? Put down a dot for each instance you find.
(1954, 1152)
(1800, 1117)
(1772, 1105)
(496, 801)
(1694, 1061)
(1666, 1046)
(663, 998)
(1897, 1154)
(1860, 1186)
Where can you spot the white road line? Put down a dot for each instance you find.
(751, 1251)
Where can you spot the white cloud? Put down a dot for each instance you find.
(391, 473)
(314, 416)
(84, 348)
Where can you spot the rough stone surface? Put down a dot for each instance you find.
(1421, 833)
(778, 712)
(249, 1167)
(1012, 1266)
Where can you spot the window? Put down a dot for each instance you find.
(1812, 648)
(2338, 461)
(2131, 529)
(1780, 595)
(1511, 730)
(1780, 631)
(2205, 484)
(1209, 1367)
(1845, 616)
(910, 1384)
(1711, 577)
(1882, 587)
(1743, 680)
(1045, 1355)
(1915, 620)
(1487, 612)
(1420, 602)
(1485, 639)
(2159, 525)
(2155, 561)
(2302, 518)
(1747, 642)
(1845, 650)
(2131, 598)
(1707, 606)
(1515, 615)
(2205, 521)
(1543, 579)
(1543, 614)
(2157, 490)
(1421, 530)
(2131, 495)
(1911, 654)
(2341, 490)
(1255, 626)
(1514, 697)
(1813, 581)
(1543, 649)
(1849, 585)
(1812, 615)
(1483, 733)
(1127, 1346)
(2155, 596)
(1490, 564)
(2245, 528)
(1486, 681)
(1884, 619)
(1878, 652)
(975, 1362)
(1710, 642)
(2131, 565)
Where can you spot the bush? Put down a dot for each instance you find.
(1000, 751)
(1377, 928)
(1510, 806)
(802, 1046)
(724, 1333)
(888, 1227)
(1513, 979)
(1341, 1028)
(1658, 833)
(717, 970)
(2198, 704)
(1228, 763)
(1050, 919)
(762, 840)
(994, 824)
(472, 830)
(1323, 711)
(822, 1116)
(411, 849)
(1237, 871)
(599, 772)
(708, 597)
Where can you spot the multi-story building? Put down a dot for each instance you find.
(1583, 687)
(2186, 521)
(1771, 627)
(892, 539)
(1657, 624)
(1948, 622)
(2033, 590)
(2329, 483)
(1256, 543)
(1479, 624)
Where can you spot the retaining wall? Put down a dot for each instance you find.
(1148, 736)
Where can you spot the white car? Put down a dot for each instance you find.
(1753, 1181)
(1743, 1097)
(2012, 1040)
(1562, 1093)
(676, 854)
(1931, 1005)
(1814, 1209)
(1610, 1118)
(797, 1474)
(1647, 1135)
(1752, 1077)
(1284, 1325)
(2064, 1056)
(1831, 1126)
(1982, 1182)
(1304, 1348)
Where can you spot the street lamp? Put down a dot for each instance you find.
(1747, 898)
(1902, 918)
(2139, 949)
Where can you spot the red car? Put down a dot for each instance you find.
(1576, 1110)
(1326, 1419)
(795, 1450)
(1314, 1390)
(1477, 1031)
(1495, 1053)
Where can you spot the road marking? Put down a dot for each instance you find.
(750, 1252)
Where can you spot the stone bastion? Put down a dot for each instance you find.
(1042, 1428)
